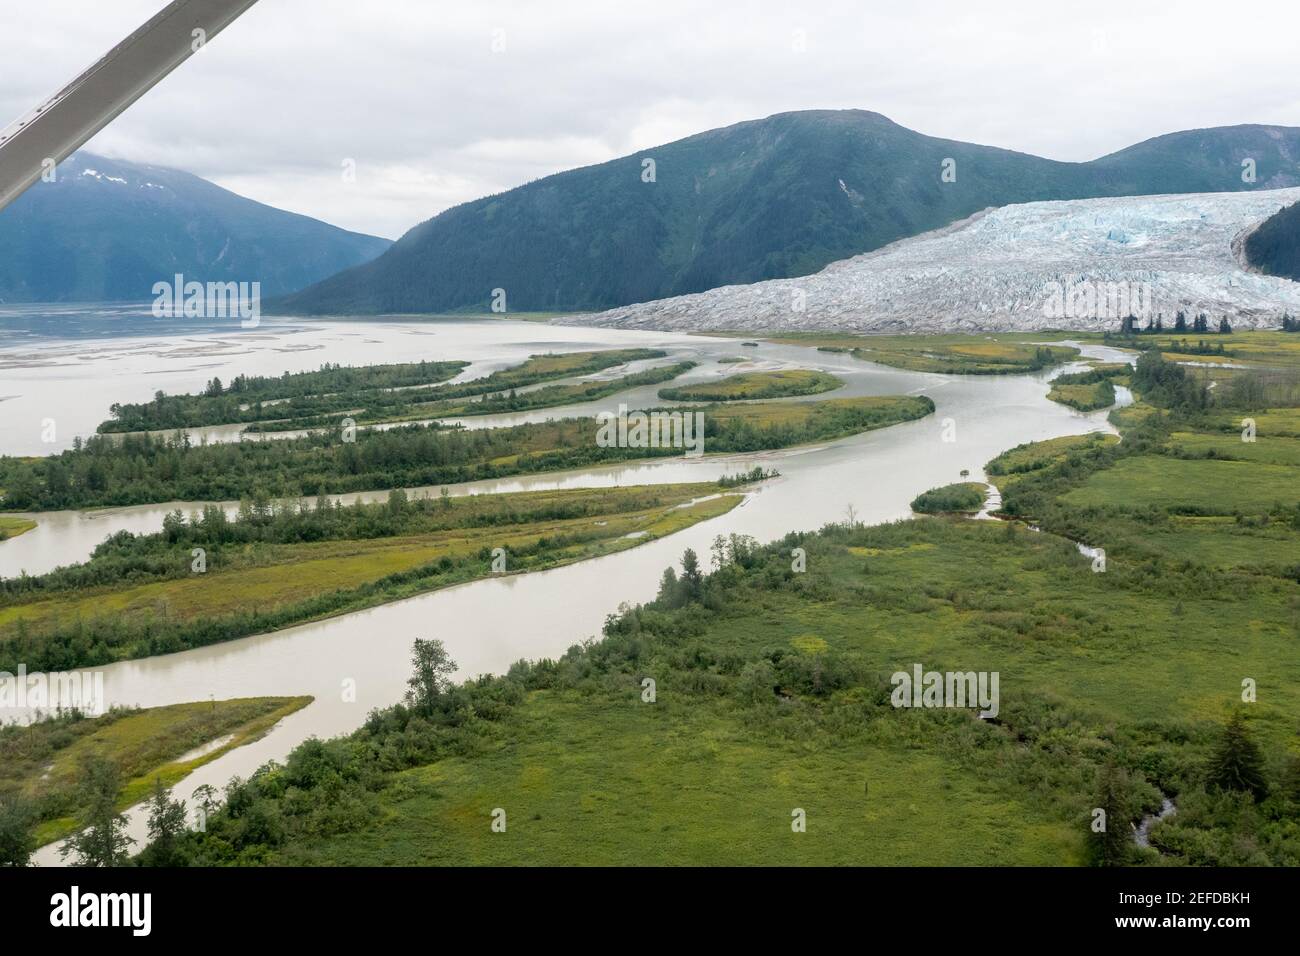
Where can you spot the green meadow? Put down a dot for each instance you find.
(771, 737)
(779, 383)
(12, 526)
(42, 762)
(142, 597)
(748, 714)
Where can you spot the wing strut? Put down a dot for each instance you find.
(56, 128)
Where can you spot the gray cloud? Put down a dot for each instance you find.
(414, 93)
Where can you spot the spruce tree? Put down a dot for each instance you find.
(1112, 846)
(102, 840)
(1237, 763)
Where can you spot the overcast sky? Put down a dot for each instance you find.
(441, 102)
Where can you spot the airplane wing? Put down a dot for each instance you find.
(59, 126)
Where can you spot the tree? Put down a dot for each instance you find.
(396, 501)
(205, 797)
(1224, 327)
(692, 580)
(719, 552)
(1180, 321)
(1110, 846)
(166, 826)
(102, 840)
(432, 667)
(669, 589)
(1237, 764)
(16, 843)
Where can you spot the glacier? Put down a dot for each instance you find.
(1029, 266)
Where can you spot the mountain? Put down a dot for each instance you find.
(1075, 264)
(1273, 247)
(107, 230)
(777, 197)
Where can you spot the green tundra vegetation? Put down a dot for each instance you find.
(966, 496)
(780, 383)
(11, 526)
(548, 396)
(324, 396)
(275, 566)
(249, 398)
(1258, 349)
(1186, 484)
(1173, 672)
(1090, 390)
(41, 763)
(139, 469)
(950, 354)
(966, 358)
(1035, 455)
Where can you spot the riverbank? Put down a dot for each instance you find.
(1113, 693)
(491, 623)
(43, 763)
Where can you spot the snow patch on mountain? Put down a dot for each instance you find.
(1009, 269)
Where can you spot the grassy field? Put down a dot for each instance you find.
(1271, 449)
(954, 354)
(1204, 486)
(986, 358)
(12, 526)
(1257, 349)
(703, 724)
(781, 383)
(269, 586)
(42, 762)
(1035, 455)
(773, 694)
(1181, 489)
(1271, 423)
(776, 699)
(1190, 491)
(600, 780)
(1084, 398)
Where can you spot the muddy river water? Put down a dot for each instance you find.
(359, 661)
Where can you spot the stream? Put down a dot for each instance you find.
(488, 624)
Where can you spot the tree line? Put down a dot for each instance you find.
(142, 469)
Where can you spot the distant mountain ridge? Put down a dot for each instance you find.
(778, 197)
(106, 230)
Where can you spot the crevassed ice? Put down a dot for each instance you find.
(1000, 268)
